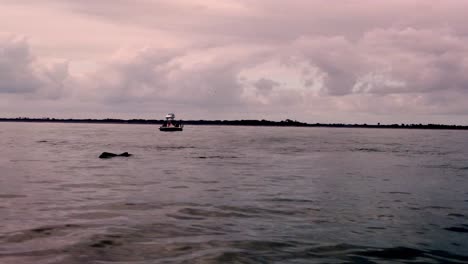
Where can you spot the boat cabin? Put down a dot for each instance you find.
(170, 124)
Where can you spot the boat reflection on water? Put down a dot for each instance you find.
(171, 125)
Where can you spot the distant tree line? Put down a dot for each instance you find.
(248, 122)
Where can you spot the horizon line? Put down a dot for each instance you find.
(237, 122)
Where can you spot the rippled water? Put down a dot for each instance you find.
(232, 195)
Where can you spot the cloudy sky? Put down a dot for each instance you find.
(351, 61)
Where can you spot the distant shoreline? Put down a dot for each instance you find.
(285, 123)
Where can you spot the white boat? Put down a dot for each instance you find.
(171, 124)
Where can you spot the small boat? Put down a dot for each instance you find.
(171, 125)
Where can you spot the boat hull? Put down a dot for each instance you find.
(170, 129)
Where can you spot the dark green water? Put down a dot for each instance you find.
(232, 195)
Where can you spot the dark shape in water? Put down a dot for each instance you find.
(170, 129)
(42, 229)
(103, 243)
(394, 253)
(108, 155)
(457, 229)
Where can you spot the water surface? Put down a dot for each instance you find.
(219, 194)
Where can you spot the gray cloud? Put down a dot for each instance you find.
(331, 61)
(265, 86)
(272, 21)
(388, 61)
(21, 73)
(17, 73)
(203, 77)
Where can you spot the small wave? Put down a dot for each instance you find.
(169, 147)
(457, 229)
(406, 193)
(437, 207)
(53, 142)
(211, 213)
(260, 244)
(171, 243)
(258, 211)
(393, 253)
(368, 150)
(179, 187)
(405, 253)
(209, 182)
(84, 185)
(376, 228)
(94, 215)
(289, 200)
(291, 150)
(38, 232)
(440, 166)
(432, 207)
(456, 215)
(217, 157)
(104, 243)
(185, 217)
(385, 216)
(10, 196)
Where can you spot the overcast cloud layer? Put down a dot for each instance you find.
(351, 61)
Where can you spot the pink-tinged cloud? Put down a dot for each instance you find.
(354, 60)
